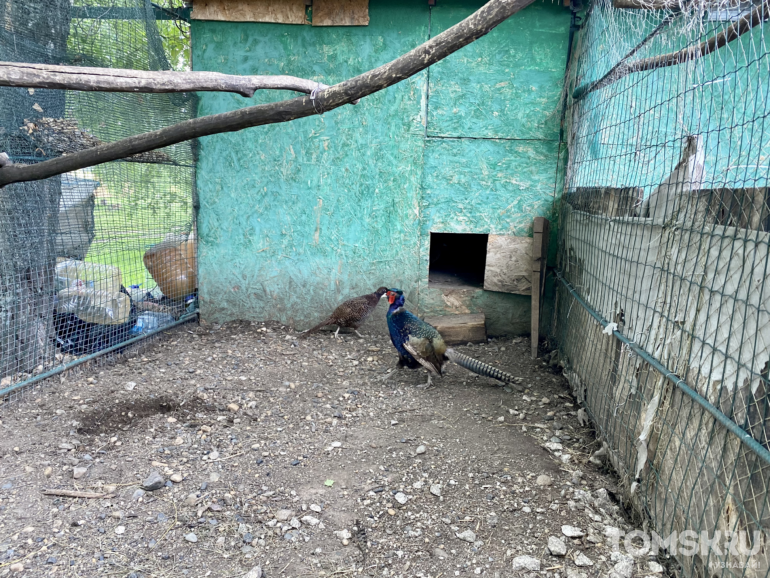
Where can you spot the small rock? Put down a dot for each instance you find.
(336, 444)
(572, 573)
(467, 536)
(391, 512)
(435, 489)
(51, 560)
(543, 480)
(191, 500)
(420, 450)
(624, 565)
(343, 534)
(310, 520)
(440, 553)
(582, 560)
(18, 567)
(554, 447)
(401, 498)
(191, 537)
(572, 532)
(526, 563)
(153, 482)
(214, 455)
(130, 385)
(139, 493)
(654, 567)
(48, 471)
(316, 508)
(284, 515)
(255, 572)
(295, 523)
(556, 546)
(176, 478)
(233, 407)
(120, 530)
(79, 472)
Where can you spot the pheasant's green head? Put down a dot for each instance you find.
(395, 297)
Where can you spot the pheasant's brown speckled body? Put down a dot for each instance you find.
(352, 313)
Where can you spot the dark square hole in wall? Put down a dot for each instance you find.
(457, 260)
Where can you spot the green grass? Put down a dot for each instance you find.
(135, 211)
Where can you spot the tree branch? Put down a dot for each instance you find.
(475, 26)
(735, 30)
(124, 80)
(581, 91)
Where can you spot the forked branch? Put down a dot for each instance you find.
(475, 26)
(124, 80)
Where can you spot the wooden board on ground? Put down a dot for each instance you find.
(275, 11)
(341, 13)
(456, 329)
(509, 264)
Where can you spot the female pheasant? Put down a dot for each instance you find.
(351, 313)
(419, 343)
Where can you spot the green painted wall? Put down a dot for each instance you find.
(632, 132)
(296, 216)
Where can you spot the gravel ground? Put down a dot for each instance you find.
(283, 457)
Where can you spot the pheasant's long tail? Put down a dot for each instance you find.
(478, 367)
(324, 323)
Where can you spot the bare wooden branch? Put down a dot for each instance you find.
(735, 30)
(76, 494)
(475, 26)
(125, 80)
(581, 91)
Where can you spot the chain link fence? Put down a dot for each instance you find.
(93, 259)
(662, 313)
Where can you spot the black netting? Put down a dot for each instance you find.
(92, 258)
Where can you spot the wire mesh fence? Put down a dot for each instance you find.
(94, 258)
(662, 315)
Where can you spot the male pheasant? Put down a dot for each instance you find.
(351, 313)
(419, 343)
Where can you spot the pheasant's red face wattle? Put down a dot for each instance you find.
(391, 297)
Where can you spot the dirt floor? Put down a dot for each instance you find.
(286, 457)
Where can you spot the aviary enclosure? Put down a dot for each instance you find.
(661, 316)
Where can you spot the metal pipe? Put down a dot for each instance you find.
(90, 356)
(743, 436)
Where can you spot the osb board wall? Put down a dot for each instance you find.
(340, 12)
(290, 229)
(509, 264)
(275, 11)
(325, 12)
(297, 216)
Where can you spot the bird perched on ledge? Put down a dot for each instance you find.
(352, 313)
(419, 343)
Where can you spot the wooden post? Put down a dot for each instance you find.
(541, 236)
